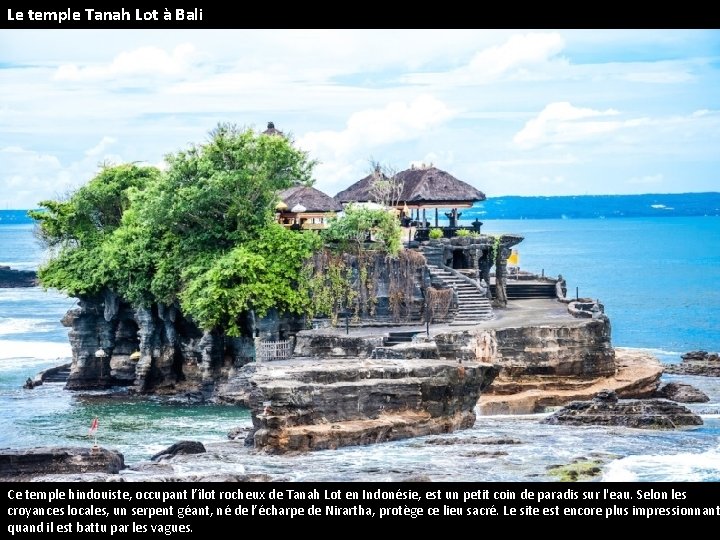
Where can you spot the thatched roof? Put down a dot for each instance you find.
(312, 199)
(420, 186)
(272, 131)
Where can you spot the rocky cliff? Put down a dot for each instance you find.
(152, 349)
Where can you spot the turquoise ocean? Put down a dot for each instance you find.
(658, 277)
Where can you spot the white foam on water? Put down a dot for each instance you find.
(22, 326)
(684, 467)
(16, 353)
(661, 352)
(20, 265)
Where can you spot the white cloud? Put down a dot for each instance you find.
(522, 56)
(28, 176)
(143, 61)
(508, 107)
(442, 160)
(100, 147)
(563, 122)
(371, 128)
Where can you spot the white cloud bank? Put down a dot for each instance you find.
(143, 61)
(563, 122)
(369, 129)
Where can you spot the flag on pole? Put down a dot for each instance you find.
(93, 427)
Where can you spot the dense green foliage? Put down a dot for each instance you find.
(200, 234)
(435, 234)
(359, 223)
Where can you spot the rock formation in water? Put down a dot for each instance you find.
(315, 404)
(696, 363)
(607, 410)
(31, 462)
(180, 448)
(10, 278)
(682, 393)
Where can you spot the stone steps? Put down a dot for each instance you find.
(395, 338)
(473, 307)
(521, 291)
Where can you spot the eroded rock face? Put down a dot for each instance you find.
(152, 349)
(58, 460)
(638, 376)
(580, 350)
(301, 405)
(607, 410)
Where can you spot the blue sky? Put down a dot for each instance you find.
(513, 112)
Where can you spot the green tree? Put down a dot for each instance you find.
(200, 233)
(358, 223)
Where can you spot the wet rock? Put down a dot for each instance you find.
(239, 432)
(302, 405)
(484, 453)
(606, 396)
(58, 460)
(446, 441)
(683, 393)
(580, 469)
(696, 363)
(180, 447)
(633, 413)
(10, 278)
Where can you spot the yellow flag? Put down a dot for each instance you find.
(514, 258)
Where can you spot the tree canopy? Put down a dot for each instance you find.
(200, 233)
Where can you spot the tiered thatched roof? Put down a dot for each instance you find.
(422, 187)
(314, 200)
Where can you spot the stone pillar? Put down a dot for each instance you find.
(501, 276)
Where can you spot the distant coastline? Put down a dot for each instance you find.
(556, 207)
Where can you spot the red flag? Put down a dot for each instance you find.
(93, 427)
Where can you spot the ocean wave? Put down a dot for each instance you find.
(21, 265)
(20, 351)
(698, 467)
(10, 326)
(654, 351)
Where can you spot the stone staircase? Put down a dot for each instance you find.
(473, 306)
(519, 290)
(395, 338)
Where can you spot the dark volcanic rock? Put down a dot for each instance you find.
(58, 460)
(180, 447)
(696, 363)
(445, 441)
(607, 410)
(684, 393)
(10, 278)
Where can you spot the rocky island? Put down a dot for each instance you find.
(211, 280)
